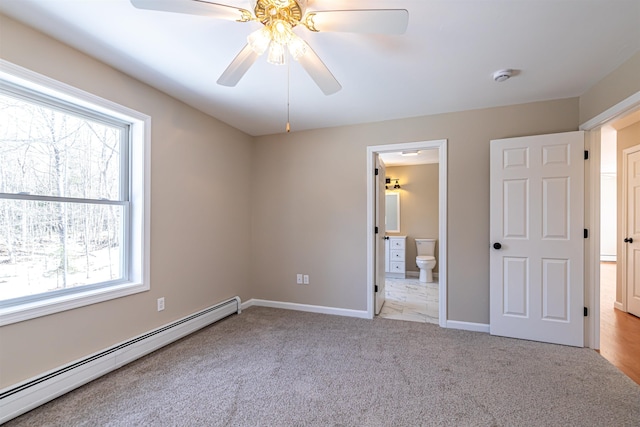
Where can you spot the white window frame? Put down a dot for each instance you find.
(139, 176)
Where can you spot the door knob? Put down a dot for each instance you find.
(628, 240)
(497, 245)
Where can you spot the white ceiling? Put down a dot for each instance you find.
(443, 63)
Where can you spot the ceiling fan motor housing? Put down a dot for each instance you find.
(290, 11)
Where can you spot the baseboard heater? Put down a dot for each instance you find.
(20, 398)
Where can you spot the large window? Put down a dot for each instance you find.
(72, 198)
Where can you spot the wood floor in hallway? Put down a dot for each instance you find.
(619, 331)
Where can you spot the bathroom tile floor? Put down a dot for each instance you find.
(408, 299)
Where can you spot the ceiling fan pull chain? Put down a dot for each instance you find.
(288, 73)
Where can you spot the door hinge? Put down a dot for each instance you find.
(376, 288)
(376, 230)
(586, 155)
(586, 312)
(586, 233)
(376, 172)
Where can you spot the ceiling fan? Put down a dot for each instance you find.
(278, 18)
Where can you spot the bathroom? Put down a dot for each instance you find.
(417, 176)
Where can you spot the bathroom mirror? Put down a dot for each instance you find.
(392, 213)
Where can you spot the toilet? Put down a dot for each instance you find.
(426, 260)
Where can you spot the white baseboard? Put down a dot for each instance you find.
(306, 307)
(22, 397)
(395, 275)
(468, 326)
(618, 305)
(417, 274)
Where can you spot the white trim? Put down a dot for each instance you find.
(592, 286)
(468, 326)
(306, 307)
(140, 195)
(31, 310)
(591, 332)
(608, 258)
(24, 396)
(618, 305)
(442, 252)
(373, 150)
(620, 108)
(246, 304)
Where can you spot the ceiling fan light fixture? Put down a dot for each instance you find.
(275, 36)
(259, 40)
(281, 31)
(276, 54)
(281, 3)
(297, 47)
(290, 10)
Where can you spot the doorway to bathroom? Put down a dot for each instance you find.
(416, 182)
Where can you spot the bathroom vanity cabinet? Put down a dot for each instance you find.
(395, 250)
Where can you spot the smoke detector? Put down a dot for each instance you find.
(502, 75)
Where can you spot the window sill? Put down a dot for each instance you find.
(35, 309)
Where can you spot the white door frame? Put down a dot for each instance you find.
(592, 214)
(442, 217)
(381, 257)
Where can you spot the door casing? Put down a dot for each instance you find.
(442, 231)
(380, 246)
(592, 213)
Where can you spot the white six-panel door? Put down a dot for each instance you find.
(537, 241)
(631, 171)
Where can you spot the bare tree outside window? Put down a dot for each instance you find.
(62, 198)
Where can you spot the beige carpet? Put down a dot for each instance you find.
(269, 367)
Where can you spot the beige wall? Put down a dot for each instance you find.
(419, 206)
(310, 213)
(200, 217)
(621, 83)
(627, 137)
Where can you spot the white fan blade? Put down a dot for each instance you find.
(319, 72)
(238, 67)
(195, 7)
(380, 21)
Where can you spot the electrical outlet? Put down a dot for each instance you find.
(299, 279)
(160, 304)
(306, 279)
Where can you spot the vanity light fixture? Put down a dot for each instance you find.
(387, 182)
(410, 153)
